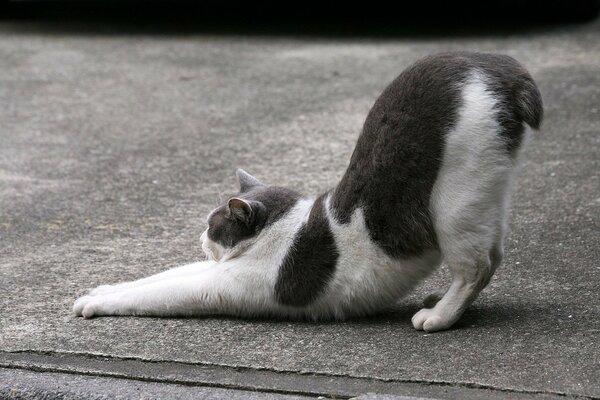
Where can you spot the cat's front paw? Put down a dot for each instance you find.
(80, 304)
(430, 320)
(93, 306)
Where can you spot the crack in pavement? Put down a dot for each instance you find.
(267, 380)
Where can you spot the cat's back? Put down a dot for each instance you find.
(401, 148)
(429, 92)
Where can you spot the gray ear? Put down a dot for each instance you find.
(246, 180)
(241, 210)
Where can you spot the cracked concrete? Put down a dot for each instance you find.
(249, 379)
(114, 148)
(22, 384)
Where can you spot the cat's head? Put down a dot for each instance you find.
(234, 226)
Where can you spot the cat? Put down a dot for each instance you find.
(429, 182)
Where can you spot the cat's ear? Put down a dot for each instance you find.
(241, 210)
(246, 180)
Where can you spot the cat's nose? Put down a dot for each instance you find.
(203, 236)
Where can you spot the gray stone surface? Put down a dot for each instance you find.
(249, 379)
(114, 147)
(22, 385)
(374, 396)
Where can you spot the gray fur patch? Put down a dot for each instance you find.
(399, 152)
(520, 99)
(310, 262)
(269, 204)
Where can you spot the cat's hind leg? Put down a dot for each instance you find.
(496, 256)
(433, 298)
(470, 234)
(469, 200)
(470, 276)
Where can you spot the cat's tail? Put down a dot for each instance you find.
(530, 107)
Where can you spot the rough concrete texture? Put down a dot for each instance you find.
(25, 385)
(374, 396)
(113, 148)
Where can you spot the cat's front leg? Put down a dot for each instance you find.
(185, 270)
(213, 291)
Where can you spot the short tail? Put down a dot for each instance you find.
(530, 107)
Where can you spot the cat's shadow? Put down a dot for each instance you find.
(476, 316)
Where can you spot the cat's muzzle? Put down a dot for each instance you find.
(207, 247)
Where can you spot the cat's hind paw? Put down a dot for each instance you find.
(429, 320)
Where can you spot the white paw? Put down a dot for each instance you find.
(103, 289)
(430, 320)
(93, 306)
(90, 310)
(80, 304)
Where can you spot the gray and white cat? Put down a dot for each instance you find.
(428, 182)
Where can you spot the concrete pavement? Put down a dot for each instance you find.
(114, 147)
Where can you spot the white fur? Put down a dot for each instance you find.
(366, 279)
(233, 285)
(468, 204)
